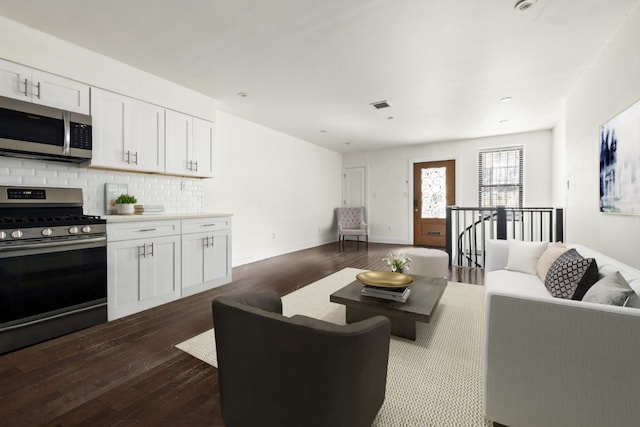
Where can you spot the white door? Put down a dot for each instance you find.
(55, 91)
(160, 271)
(355, 187)
(148, 136)
(203, 147)
(193, 259)
(111, 130)
(178, 143)
(15, 80)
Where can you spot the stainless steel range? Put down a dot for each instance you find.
(53, 265)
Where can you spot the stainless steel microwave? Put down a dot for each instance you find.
(41, 132)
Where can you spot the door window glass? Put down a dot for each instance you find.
(434, 192)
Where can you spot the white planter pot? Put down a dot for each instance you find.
(125, 208)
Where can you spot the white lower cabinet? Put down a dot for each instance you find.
(143, 268)
(155, 262)
(206, 254)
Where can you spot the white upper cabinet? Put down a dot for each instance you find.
(203, 147)
(178, 139)
(147, 140)
(14, 81)
(189, 145)
(127, 133)
(111, 127)
(26, 84)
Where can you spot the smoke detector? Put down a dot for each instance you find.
(523, 5)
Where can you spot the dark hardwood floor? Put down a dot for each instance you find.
(128, 372)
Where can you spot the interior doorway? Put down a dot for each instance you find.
(434, 188)
(354, 190)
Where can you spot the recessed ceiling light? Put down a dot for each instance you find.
(242, 94)
(523, 5)
(503, 121)
(347, 143)
(323, 131)
(506, 99)
(390, 118)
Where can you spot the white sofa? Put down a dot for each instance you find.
(557, 362)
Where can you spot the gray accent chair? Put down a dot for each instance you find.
(297, 371)
(351, 222)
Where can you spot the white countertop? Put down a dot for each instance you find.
(163, 216)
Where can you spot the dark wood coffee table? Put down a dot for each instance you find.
(421, 305)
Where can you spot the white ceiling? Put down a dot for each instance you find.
(312, 67)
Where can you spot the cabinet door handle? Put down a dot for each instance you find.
(126, 157)
(213, 242)
(196, 163)
(206, 242)
(151, 253)
(25, 86)
(135, 162)
(38, 87)
(143, 251)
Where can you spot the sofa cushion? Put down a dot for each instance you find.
(612, 290)
(553, 251)
(523, 256)
(571, 275)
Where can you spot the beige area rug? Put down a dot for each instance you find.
(434, 381)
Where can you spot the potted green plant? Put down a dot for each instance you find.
(125, 204)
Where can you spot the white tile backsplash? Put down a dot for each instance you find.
(148, 189)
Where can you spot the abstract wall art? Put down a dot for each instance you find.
(620, 163)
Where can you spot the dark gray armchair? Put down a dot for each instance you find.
(297, 371)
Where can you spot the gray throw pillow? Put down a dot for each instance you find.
(612, 290)
(571, 275)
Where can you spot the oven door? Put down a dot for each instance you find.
(50, 288)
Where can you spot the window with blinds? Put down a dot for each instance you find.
(500, 177)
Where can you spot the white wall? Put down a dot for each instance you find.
(270, 182)
(390, 175)
(274, 184)
(609, 86)
(559, 165)
(39, 50)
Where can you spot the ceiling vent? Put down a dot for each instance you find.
(523, 5)
(380, 104)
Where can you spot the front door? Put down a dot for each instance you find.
(434, 188)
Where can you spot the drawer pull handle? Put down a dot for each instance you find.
(208, 225)
(433, 233)
(146, 229)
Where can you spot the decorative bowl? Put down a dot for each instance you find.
(384, 279)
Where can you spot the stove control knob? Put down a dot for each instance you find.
(86, 229)
(73, 230)
(47, 232)
(3, 235)
(16, 234)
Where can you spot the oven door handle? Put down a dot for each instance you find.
(57, 244)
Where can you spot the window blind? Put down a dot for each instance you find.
(500, 177)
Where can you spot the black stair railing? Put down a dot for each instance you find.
(470, 228)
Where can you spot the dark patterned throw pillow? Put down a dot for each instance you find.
(571, 275)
